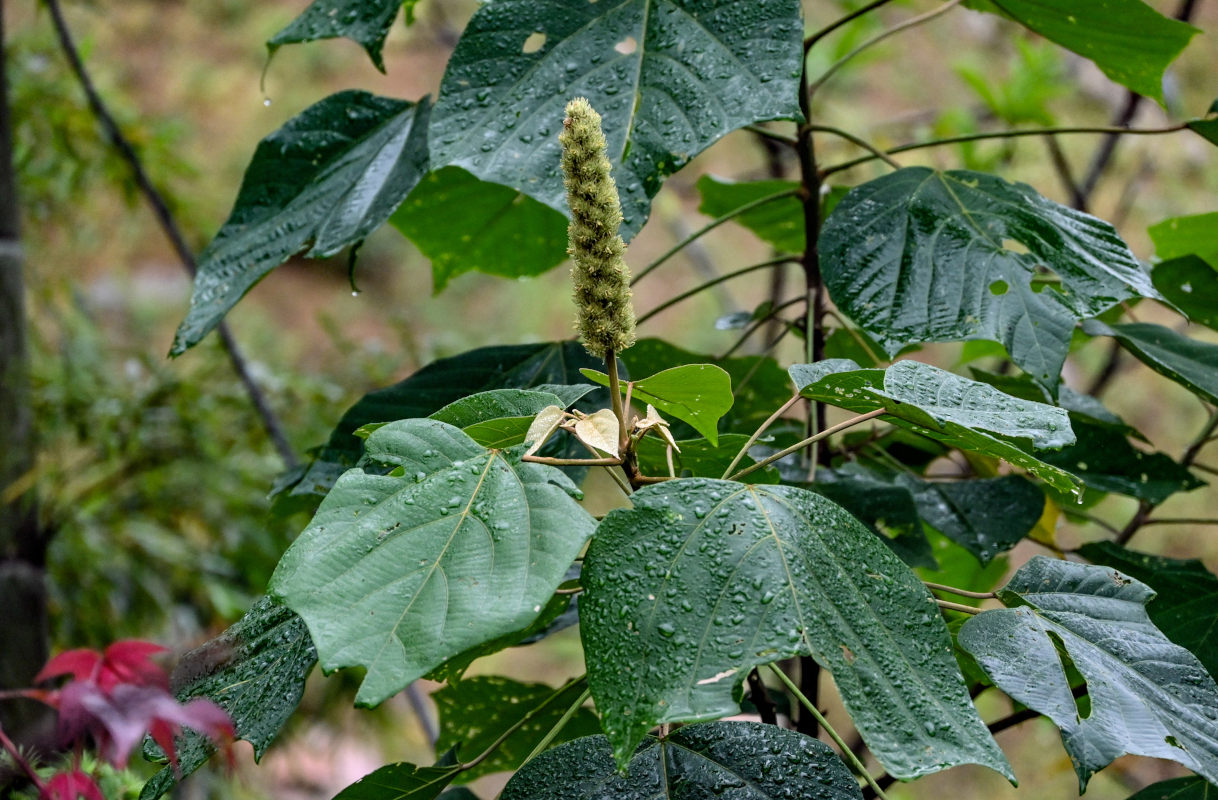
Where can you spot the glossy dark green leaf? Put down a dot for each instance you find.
(1195, 235)
(401, 781)
(1185, 607)
(1106, 460)
(1191, 788)
(1188, 362)
(364, 21)
(704, 579)
(1128, 40)
(884, 506)
(779, 223)
(698, 394)
(731, 760)
(698, 458)
(461, 224)
(325, 180)
(435, 386)
(1206, 128)
(389, 563)
(669, 77)
(986, 516)
(255, 671)
(1146, 695)
(474, 712)
(497, 403)
(1191, 285)
(948, 408)
(922, 256)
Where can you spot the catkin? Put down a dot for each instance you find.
(605, 318)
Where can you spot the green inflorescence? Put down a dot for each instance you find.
(605, 321)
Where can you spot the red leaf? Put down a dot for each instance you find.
(125, 661)
(70, 786)
(80, 664)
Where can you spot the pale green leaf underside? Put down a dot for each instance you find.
(704, 579)
(732, 760)
(963, 413)
(399, 574)
(669, 78)
(1148, 696)
(921, 256)
(699, 394)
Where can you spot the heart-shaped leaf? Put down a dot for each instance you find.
(1188, 362)
(668, 77)
(948, 408)
(704, 579)
(601, 430)
(389, 562)
(699, 394)
(719, 759)
(1147, 696)
(325, 180)
(925, 256)
(364, 21)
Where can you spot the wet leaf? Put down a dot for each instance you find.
(945, 407)
(779, 223)
(325, 180)
(497, 403)
(925, 256)
(255, 671)
(1191, 788)
(601, 430)
(364, 21)
(698, 458)
(704, 579)
(1146, 695)
(461, 224)
(1188, 362)
(733, 760)
(1190, 284)
(1195, 235)
(699, 394)
(669, 77)
(464, 533)
(401, 781)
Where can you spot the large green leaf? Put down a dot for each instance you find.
(920, 255)
(732, 760)
(1188, 362)
(464, 224)
(1191, 788)
(498, 403)
(704, 579)
(699, 394)
(401, 781)
(1190, 284)
(1146, 695)
(948, 408)
(1106, 460)
(325, 180)
(985, 516)
(1185, 607)
(779, 222)
(475, 712)
(884, 506)
(698, 458)
(1128, 40)
(1195, 235)
(436, 385)
(363, 21)
(669, 78)
(399, 574)
(255, 671)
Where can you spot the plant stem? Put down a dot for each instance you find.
(169, 225)
(574, 462)
(571, 711)
(1180, 521)
(879, 37)
(773, 262)
(956, 607)
(853, 334)
(976, 137)
(832, 26)
(520, 723)
(757, 325)
(863, 143)
(758, 433)
(841, 426)
(710, 226)
(761, 699)
(939, 587)
(615, 398)
(847, 753)
(771, 135)
(23, 763)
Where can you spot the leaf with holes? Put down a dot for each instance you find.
(925, 256)
(669, 78)
(704, 579)
(734, 760)
(1128, 40)
(325, 180)
(779, 222)
(940, 405)
(390, 564)
(699, 394)
(1188, 362)
(1147, 696)
(461, 224)
(364, 21)
(255, 671)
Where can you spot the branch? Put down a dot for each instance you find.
(841, 426)
(744, 337)
(758, 433)
(169, 225)
(863, 143)
(773, 262)
(939, 587)
(811, 41)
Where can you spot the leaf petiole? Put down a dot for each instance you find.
(832, 429)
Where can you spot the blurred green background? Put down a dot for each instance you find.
(155, 473)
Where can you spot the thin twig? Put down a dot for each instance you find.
(749, 331)
(672, 301)
(520, 723)
(169, 225)
(571, 711)
(781, 138)
(23, 763)
(832, 26)
(863, 143)
(1180, 521)
(956, 607)
(760, 696)
(832, 429)
(757, 434)
(574, 462)
(853, 334)
(939, 587)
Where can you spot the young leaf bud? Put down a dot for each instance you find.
(605, 320)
